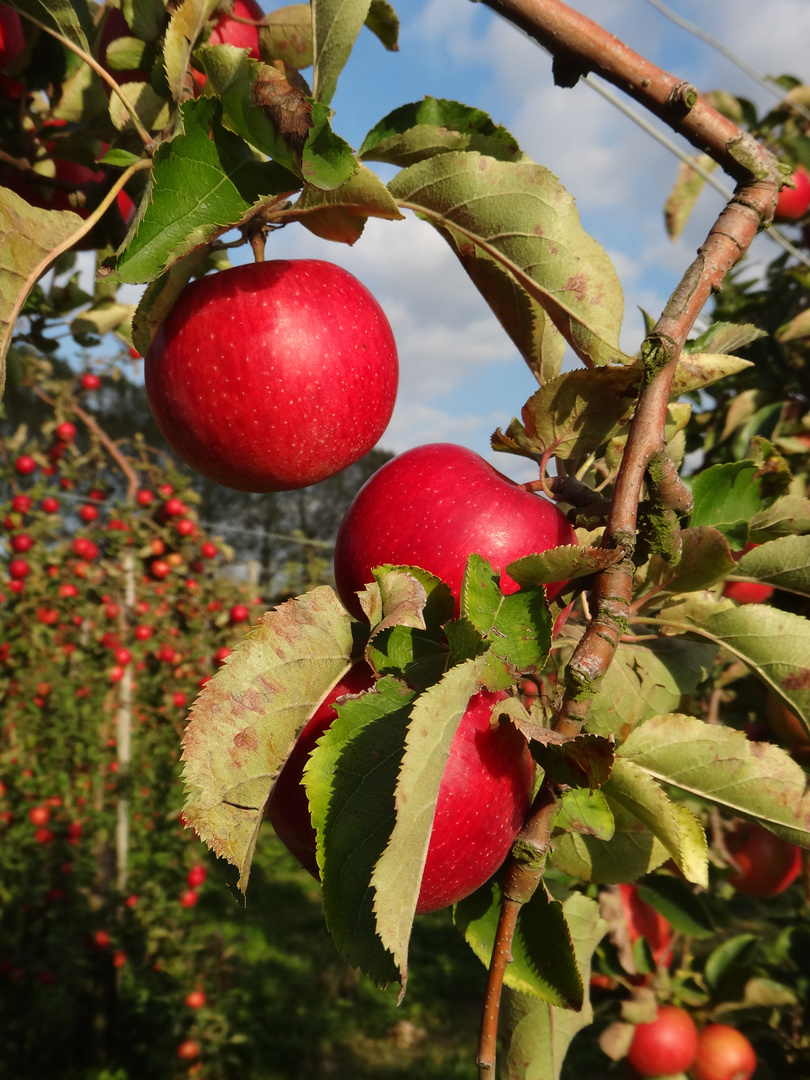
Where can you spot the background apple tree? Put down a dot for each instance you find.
(668, 715)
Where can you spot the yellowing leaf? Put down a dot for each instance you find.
(246, 719)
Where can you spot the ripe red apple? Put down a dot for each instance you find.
(12, 41)
(767, 864)
(25, 465)
(239, 613)
(793, 203)
(188, 1050)
(747, 592)
(666, 1046)
(228, 31)
(642, 920)
(195, 999)
(723, 1053)
(196, 876)
(482, 801)
(273, 376)
(432, 507)
(89, 381)
(788, 728)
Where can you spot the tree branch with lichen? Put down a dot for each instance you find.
(579, 46)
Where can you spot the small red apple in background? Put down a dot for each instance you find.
(747, 592)
(90, 381)
(788, 728)
(12, 41)
(642, 920)
(793, 203)
(229, 31)
(239, 613)
(723, 1053)
(482, 801)
(195, 999)
(767, 864)
(25, 465)
(273, 376)
(188, 1050)
(432, 507)
(666, 1046)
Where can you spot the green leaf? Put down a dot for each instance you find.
(784, 563)
(727, 497)
(415, 132)
(675, 826)
(725, 337)
(705, 560)
(205, 181)
(774, 644)
(543, 961)
(188, 21)
(586, 812)
(730, 952)
(696, 370)
(27, 236)
(152, 110)
(70, 18)
(383, 22)
(681, 200)
(350, 781)
(574, 414)
(341, 214)
(561, 564)
(327, 160)
(788, 515)
(680, 906)
(646, 679)
(537, 1036)
(758, 781)
(517, 627)
(103, 319)
(583, 761)
(335, 26)
(247, 717)
(519, 214)
(397, 875)
(632, 851)
(287, 35)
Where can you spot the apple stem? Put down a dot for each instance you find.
(258, 239)
(578, 45)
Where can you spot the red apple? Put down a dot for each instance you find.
(25, 465)
(767, 865)
(89, 381)
(273, 376)
(747, 592)
(12, 41)
(666, 1046)
(239, 613)
(482, 801)
(195, 999)
(793, 202)
(432, 507)
(723, 1053)
(642, 920)
(228, 31)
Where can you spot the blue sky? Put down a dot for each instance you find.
(460, 375)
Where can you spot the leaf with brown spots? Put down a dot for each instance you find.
(247, 717)
(518, 214)
(758, 781)
(285, 106)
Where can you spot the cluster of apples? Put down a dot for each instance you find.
(276, 375)
(671, 1044)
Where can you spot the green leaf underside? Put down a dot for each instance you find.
(586, 812)
(632, 851)
(774, 644)
(672, 824)
(335, 26)
(340, 214)
(788, 515)
(521, 216)
(537, 1035)
(71, 19)
(543, 961)
(397, 875)
(27, 235)
(682, 198)
(648, 679)
(201, 186)
(560, 564)
(705, 560)
(727, 497)
(784, 563)
(383, 22)
(188, 21)
(585, 761)
(350, 781)
(718, 764)
(247, 717)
